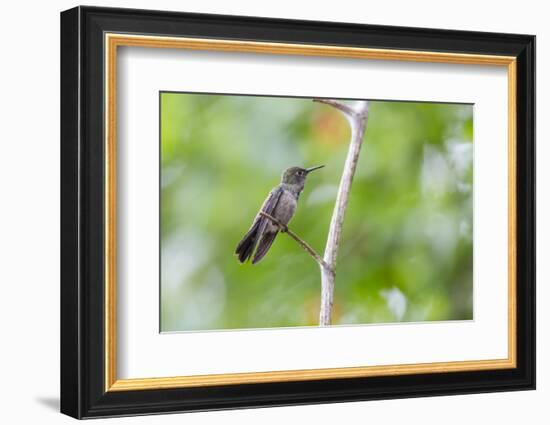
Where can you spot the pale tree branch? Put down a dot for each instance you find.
(346, 109)
(284, 228)
(357, 116)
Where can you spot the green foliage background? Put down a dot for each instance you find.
(406, 253)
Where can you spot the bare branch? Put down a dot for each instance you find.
(346, 109)
(284, 228)
(357, 116)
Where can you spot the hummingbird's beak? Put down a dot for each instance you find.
(309, 170)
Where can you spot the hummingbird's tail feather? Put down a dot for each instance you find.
(246, 246)
(264, 246)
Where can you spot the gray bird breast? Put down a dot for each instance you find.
(286, 207)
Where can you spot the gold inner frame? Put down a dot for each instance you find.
(113, 41)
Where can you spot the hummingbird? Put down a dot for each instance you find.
(281, 204)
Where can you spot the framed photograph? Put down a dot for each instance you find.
(261, 212)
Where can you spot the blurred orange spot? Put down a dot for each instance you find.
(311, 307)
(329, 127)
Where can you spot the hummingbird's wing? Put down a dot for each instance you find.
(248, 244)
(264, 245)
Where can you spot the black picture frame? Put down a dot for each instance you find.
(83, 392)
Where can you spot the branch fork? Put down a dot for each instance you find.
(357, 116)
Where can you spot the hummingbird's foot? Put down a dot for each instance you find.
(284, 228)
